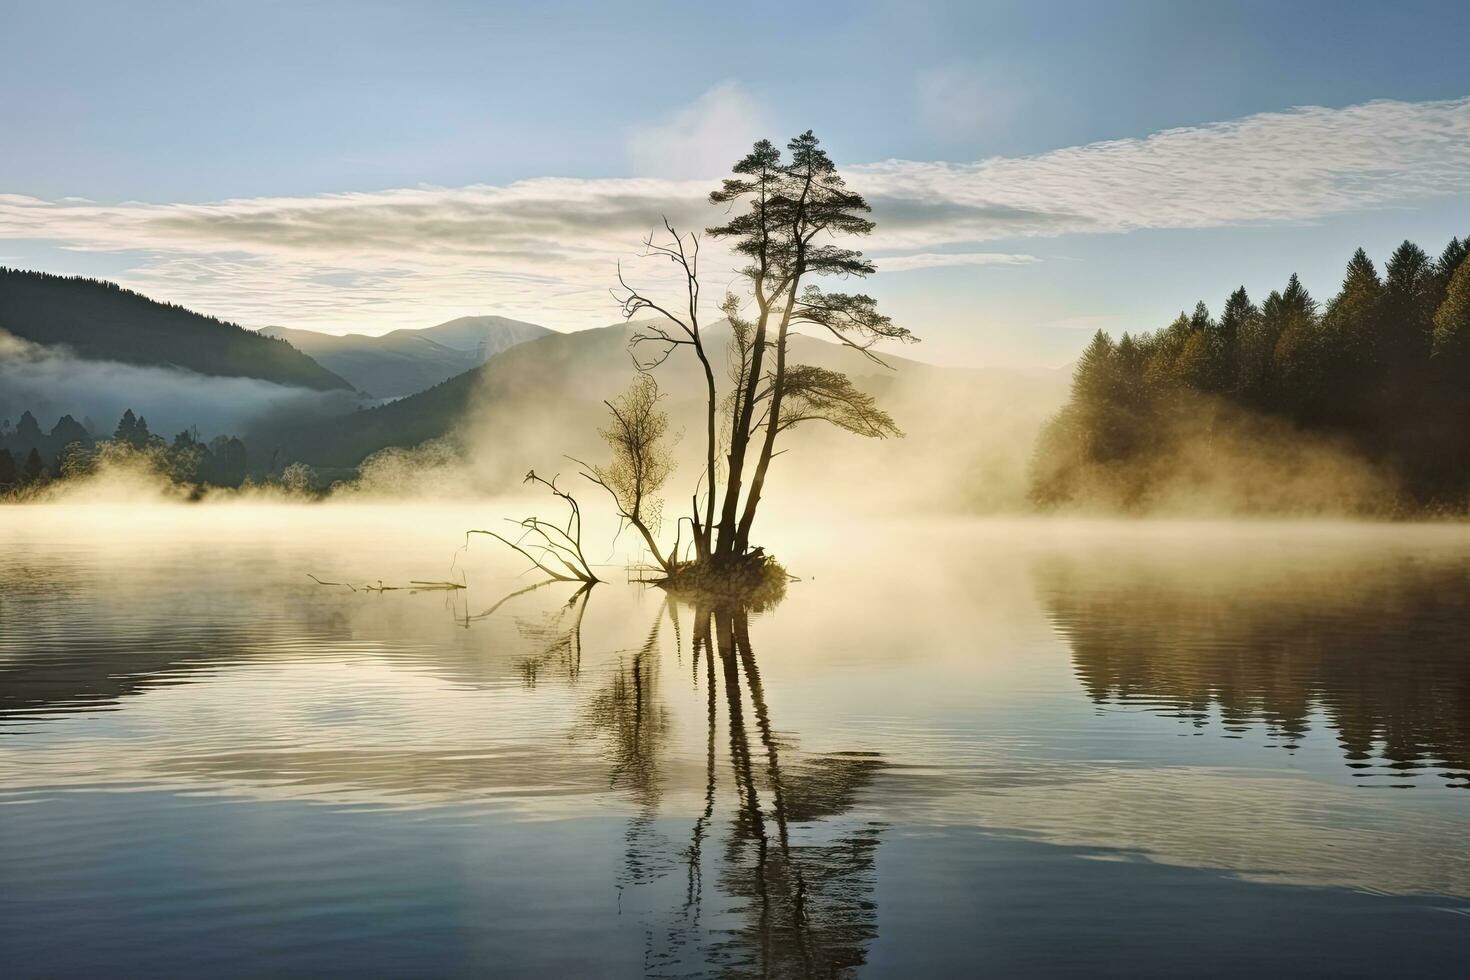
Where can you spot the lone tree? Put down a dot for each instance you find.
(787, 219)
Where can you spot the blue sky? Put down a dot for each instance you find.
(261, 112)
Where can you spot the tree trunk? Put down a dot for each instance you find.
(740, 442)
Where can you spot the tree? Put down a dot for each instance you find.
(794, 212)
(299, 480)
(34, 467)
(9, 472)
(226, 463)
(127, 428)
(1367, 374)
(1449, 261)
(640, 464)
(1235, 319)
(1297, 360)
(787, 217)
(27, 430)
(1451, 339)
(1351, 320)
(1409, 299)
(683, 251)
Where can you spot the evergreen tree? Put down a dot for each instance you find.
(1200, 320)
(1236, 317)
(1296, 301)
(1452, 330)
(1375, 370)
(1409, 303)
(1094, 379)
(34, 467)
(1297, 361)
(67, 431)
(1449, 261)
(127, 428)
(9, 472)
(1351, 320)
(28, 431)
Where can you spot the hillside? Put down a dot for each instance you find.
(403, 362)
(969, 431)
(102, 321)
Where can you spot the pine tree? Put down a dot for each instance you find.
(9, 472)
(1408, 305)
(1094, 380)
(34, 467)
(1296, 301)
(1298, 356)
(127, 428)
(1449, 261)
(28, 430)
(1200, 320)
(1452, 329)
(1352, 316)
(1238, 312)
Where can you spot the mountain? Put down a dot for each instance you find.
(104, 322)
(403, 362)
(498, 333)
(969, 431)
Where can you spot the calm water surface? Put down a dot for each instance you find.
(955, 749)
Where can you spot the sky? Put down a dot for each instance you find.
(1037, 170)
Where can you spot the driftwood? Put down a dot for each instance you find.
(547, 545)
(414, 585)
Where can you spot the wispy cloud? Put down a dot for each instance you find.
(545, 249)
(944, 260)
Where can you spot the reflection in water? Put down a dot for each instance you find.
(1376, 650)
(797, 895)
(573, 783)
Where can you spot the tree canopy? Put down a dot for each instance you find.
(1383, 371)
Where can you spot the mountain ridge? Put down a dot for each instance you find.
(409, 360)
(100, 320)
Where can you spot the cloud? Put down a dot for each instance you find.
(700, 139)
(940, 260)
(546, 249)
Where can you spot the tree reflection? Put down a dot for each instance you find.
(785, 889)
(1374, 651)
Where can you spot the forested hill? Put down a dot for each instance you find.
(531, 384)
(102, 321)
(1361, 404)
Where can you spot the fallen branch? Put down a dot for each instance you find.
(545, 544)
(414, 585)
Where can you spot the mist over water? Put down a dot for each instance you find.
(1144, 729)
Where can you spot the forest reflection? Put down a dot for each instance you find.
(771, 881)
(1374, 650)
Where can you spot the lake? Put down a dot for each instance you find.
(956, 748)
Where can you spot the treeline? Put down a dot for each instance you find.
(1380, 374)
(30, 455)
(102, 321)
